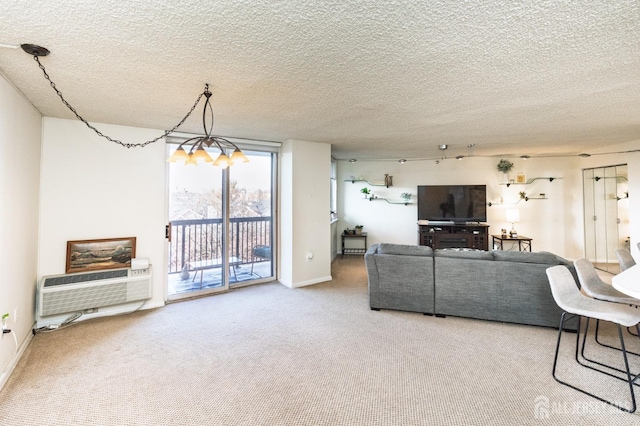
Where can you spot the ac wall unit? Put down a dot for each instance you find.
(91, 294)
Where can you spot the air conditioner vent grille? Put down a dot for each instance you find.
(81, 278)
(84, 298)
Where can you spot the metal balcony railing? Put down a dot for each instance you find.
(197, 240)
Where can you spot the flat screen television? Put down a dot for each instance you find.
(454, 203)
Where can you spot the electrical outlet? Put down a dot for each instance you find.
(309, 256)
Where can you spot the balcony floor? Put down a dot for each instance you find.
(212, 278)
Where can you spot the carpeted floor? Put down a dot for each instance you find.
(269, 355)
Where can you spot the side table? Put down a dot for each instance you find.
(523, 243)
(358, 237)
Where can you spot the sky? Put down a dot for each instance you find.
(256, 174)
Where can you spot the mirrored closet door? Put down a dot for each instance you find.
(606, 215)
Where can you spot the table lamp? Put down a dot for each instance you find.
(513, 216)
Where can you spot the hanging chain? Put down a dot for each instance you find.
(98, 132)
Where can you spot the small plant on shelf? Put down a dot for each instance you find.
(406, 197)
(358, 229)
(523, 195)
(365, 191)
(505, 166)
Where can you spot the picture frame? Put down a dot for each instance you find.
(107, 253)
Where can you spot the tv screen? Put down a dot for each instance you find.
(455, 203)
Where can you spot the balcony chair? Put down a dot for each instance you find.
(625, 259)
(594, 287)
(575, 304)
(260, 252)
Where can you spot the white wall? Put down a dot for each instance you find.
(20, 134)
(304, 213)
(555, 224)
(92, 188)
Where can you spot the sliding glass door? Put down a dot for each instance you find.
(221, 230)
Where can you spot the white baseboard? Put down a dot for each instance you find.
(4, 377)
(311, 282)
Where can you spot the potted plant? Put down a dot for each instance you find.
(365, 191)
(505, 167)
(358, 229)
(406, 197)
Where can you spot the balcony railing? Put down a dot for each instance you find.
(201, 239)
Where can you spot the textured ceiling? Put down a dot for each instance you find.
(376, 79)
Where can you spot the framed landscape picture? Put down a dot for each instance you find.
(91, 255)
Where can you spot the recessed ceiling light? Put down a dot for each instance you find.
(402, 161)
(459, 157)
(353, 160)
(525, 157)
(585, 155)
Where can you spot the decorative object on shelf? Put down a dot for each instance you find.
(513, 216)
(348, 231)
(406, 196)
(520, 178)
(196, 152)
(365, 192)
(388, 180)
(358, 229)
(505, 167)
(503, 231)
(523, 195)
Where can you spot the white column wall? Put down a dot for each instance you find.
(20, 135)
(305, 213)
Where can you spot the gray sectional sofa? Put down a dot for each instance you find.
(491, 285)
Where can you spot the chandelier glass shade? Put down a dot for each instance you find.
(197, 153)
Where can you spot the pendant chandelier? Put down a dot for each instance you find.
(197, 151)
(197, 144)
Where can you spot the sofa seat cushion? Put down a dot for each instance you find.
(402, 249)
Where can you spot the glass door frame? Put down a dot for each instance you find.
(225, 285)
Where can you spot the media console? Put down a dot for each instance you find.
(439, 235)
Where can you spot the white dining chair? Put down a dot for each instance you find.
(575, 304)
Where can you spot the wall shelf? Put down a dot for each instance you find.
(529, 182)
(513, 204)
(372, 183)
(390, 201)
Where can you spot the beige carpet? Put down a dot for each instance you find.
(269, 355)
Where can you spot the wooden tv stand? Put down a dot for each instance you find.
(451, 235)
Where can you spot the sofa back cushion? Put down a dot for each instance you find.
(402, 249)
(542, 257)
(465, 254)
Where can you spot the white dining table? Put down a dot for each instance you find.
(628, 281)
